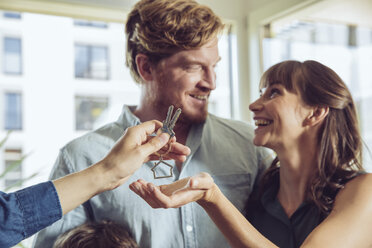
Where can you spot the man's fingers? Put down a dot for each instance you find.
(154, 144)
(180, 149)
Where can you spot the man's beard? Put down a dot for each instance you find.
(193, 119)
(185, 118)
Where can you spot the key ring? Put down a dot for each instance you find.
(161, 161)
(165, 153)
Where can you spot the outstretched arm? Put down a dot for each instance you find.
(348, 225)
(134, 148)
(29, 210)
(201, 188)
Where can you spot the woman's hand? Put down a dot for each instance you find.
(199, 188)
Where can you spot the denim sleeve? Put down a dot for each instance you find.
(27, 211)
(76, 217)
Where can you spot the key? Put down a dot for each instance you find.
(170, 122)
(168, 125)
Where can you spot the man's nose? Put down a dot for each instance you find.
(209, 78)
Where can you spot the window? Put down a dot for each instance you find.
(346, 49)
(12, 15)
(91, 62)
(222, 100)
(13, 111)
(88, 110)
(13, 163)
(12, 56)
(94, 24)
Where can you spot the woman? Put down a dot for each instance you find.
(316, 193)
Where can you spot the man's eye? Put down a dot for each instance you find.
(193, 67)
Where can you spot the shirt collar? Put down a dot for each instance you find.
(127, 118)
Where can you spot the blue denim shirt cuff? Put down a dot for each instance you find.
(40, 206)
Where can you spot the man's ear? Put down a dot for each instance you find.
(317, 115)
(144, 67)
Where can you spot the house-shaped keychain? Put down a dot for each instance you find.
(159, 163)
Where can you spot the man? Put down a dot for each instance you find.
(171, 53)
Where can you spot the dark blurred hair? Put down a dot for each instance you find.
(159, 28)
(105, 234)
(339, 140)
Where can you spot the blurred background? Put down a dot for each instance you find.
(62, 67)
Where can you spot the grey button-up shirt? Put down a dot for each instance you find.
(219, 146)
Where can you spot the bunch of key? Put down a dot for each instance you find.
(168, 125)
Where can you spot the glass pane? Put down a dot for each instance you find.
(99, 64)
(12, 15)
(81, 61)
(11, 163)
(13, 111)
(13, 176)
(12, 56)
(95, 24)
(88, 110)
(91, 62)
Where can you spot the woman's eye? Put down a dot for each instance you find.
(273, 93)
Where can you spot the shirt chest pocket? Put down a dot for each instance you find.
(236, 187)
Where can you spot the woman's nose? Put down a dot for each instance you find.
(256, 105)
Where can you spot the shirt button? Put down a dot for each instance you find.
(189, 228)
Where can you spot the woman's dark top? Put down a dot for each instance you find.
(267, 215)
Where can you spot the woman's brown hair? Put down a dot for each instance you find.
(339, 140)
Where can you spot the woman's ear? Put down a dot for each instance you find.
(144, 67)
(316, 116)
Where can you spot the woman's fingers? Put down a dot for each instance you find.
(139, 187)
(202, 181)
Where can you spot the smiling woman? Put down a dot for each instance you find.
(307, 116)
(282, 111)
